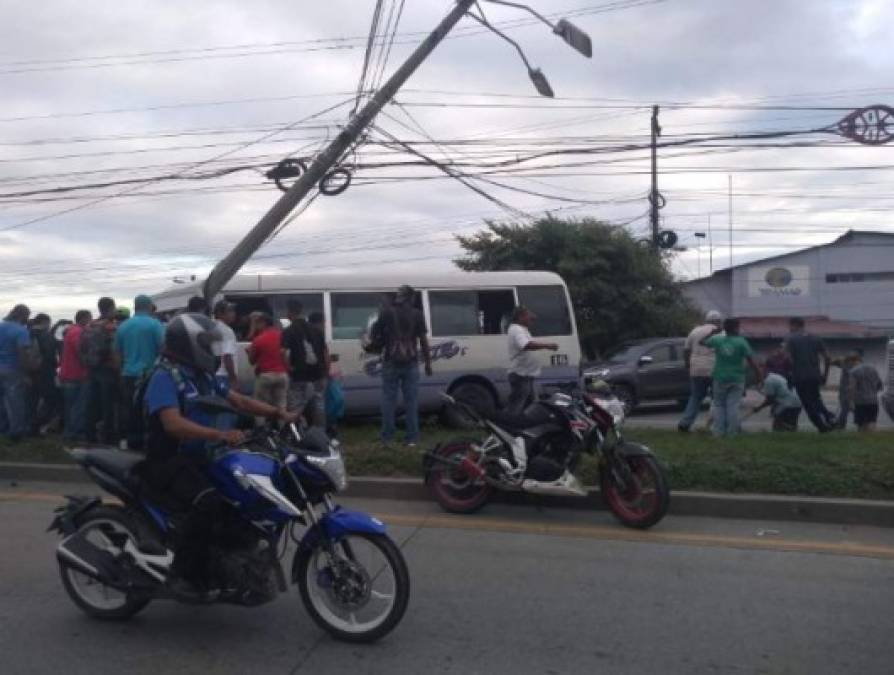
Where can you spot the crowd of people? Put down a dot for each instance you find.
(84, 378)
(790, 379)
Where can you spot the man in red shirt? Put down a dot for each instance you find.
(73, 375)
(268, 358)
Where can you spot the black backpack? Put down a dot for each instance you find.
(400, 336)
(96, 344)
(139, 396)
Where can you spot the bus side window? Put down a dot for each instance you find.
(351, 313)
(465, 313)
(310, 302)
(245, 305)
(550, 305)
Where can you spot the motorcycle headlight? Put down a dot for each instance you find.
(333, 466)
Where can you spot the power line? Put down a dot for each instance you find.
(149, 181)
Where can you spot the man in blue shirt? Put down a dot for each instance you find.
(180, 429)
(14, 360)
(138, 343)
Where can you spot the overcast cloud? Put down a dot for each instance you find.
(821, 53)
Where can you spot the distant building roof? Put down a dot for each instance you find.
(769, 327)
(850, 234)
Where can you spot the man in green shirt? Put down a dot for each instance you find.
(731, 353)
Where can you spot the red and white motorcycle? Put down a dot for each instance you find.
(539, 451)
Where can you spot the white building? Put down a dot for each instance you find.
(844, 290)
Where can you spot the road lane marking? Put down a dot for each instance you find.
(597, 532)
(618, 533)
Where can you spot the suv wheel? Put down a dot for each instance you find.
(474, 394)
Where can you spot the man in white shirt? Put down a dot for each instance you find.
(524, 367)
(224, 317)
(700, 362)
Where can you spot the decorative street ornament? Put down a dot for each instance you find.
(872, 125)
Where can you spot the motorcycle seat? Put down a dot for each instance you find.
(117, 463)
(513, 422)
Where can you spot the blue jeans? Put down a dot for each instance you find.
(727, 397)
(698, 390)
(406, 378)
(13, 408)
(75, 396)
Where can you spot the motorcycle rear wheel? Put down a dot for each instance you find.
(644, 500)
(97, 600)
(454, 489)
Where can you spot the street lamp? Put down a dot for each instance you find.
(566, 30)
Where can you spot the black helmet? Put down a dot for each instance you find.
(189, 339)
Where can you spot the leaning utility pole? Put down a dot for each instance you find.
(653, 195)
(266, 226)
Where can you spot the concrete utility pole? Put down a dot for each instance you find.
(653, 195)
(230, 265)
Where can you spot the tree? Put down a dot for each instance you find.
(620, 289)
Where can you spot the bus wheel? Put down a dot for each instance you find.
(476, 395)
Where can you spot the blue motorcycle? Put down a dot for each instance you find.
(353, 580)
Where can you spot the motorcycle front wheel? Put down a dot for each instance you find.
(641, 497)
(455, 490)
(356, 588)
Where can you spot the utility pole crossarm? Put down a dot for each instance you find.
(322, 163)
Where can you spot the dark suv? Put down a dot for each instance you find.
(644, 370)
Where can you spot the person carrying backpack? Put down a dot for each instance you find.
(403, 336)
(308, 360)
(138, 342)
(98, 355)
(179, 431)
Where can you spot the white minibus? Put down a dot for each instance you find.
(466, 313)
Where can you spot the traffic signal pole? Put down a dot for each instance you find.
(227, 268)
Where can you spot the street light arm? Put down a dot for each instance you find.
(530, 10)
(508, 39)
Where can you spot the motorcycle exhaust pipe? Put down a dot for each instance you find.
(76, 551)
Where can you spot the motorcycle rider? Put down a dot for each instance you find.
(179, 430)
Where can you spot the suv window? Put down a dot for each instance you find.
(470, 312)
(550, 304)
(662, 354)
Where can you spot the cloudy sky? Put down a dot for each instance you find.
(97, 92)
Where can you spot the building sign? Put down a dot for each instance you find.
(764, 282)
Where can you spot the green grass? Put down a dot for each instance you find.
(832, 465)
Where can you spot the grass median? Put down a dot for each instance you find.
(833, 465)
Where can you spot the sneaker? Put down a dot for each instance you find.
(682, 429)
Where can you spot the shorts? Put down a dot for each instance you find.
(865, 414)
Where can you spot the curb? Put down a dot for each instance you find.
(705, 504)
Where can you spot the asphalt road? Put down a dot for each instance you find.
(513, 590)
(666, 415)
